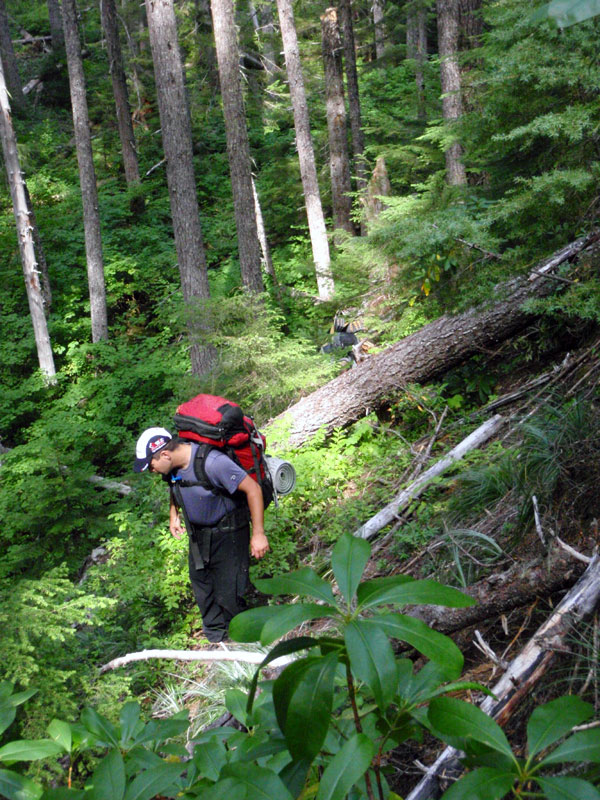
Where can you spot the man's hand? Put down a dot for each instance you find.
(259, 544)
(177, 529)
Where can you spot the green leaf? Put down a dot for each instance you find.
(346, 767)
(17, 787)
(226, 789)
(481, 784)
(6, 689)
(21, 697)
(304, 582)
(281, 649)
(60, 732)
(372, 660)
(29, 750)
(303, 698)
(162, 729)
(457, 718)
(567, 12)
(294, 776)
(290, 616)
(7, 716)
(568, 789)
(436, 646)
(210, 759)
(130, 721)
(348, 560)
(260, 783)
(247, 626)
(154, 780)
(62, 793)
(104, 731)
(235, 703)
(555, 719)
(108, 781)
(582, 746)
(399, 589)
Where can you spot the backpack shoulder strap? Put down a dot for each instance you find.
(199, 469)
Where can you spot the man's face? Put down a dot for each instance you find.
(161, 463)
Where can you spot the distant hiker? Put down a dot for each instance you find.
(217, 518)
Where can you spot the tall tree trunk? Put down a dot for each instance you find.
(108, 12)
(12, 79)
(177, 144)
(358, 139)
(448, 30)
(416, 49)
(306, 155)
(262, 236)
(87, 175)
(339, 161)
(42, 265)
(238, 148)
(379, 25)
(18, 194)
(56, 26)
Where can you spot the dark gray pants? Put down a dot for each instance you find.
(219, 587)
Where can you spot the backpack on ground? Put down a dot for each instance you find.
(220, 424)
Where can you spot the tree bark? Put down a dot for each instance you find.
(306, 155)
(12, 79)
(448, 33)
(418, 358)
(56, 26)
(358, 139)
(339, 160)
(262, 236)
(238, 148)
(416, 50)
(19, 197)
(119, 84)
(87, 175)
(177, 144)
(379, 25)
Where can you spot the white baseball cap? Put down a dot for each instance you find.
(150, 443)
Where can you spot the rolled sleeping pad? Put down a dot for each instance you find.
(283, 474)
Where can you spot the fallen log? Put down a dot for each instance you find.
(424, 355)
(391, 511)
(524, 671)
(247, 656)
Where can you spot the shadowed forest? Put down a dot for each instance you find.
(374, 226)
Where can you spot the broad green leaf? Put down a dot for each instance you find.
(400, 591)
(457, 718)
(281, 649)
(210, 759)
(247, 626)
(436, 646)
(560, 788)
(555, 719)
(7, 716)
(63, 793)
(303, 698)
(481, 784)
(260, 783)
(154, 780)
(6, 689)
(372, 660)
(294, 776)
(60, 732)
(226, 789)
(304, 582)
(18, 787)
(29, 750)
(235, 703)
(130, 721)
(108, 781)
(348, 560)
(346, 767)
(104, 731)
(290, 616)
(162, 729)
(21, 697)
(582, 746)
(568, 12)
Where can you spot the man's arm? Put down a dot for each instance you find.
(175, 525)
(259, 544)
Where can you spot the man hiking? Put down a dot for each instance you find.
(217, 520)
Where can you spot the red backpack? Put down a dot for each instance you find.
(219, 423)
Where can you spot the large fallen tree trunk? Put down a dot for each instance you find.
(429, 352)
(527, 668)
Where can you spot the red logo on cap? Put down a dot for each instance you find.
(154, 446)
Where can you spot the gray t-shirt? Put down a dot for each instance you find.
(202, 506)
